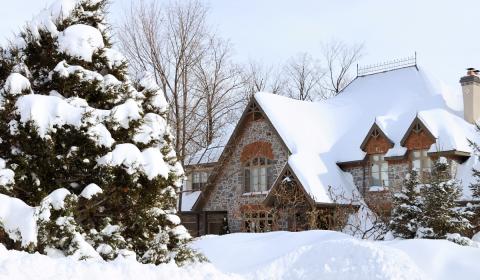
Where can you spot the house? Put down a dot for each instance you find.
(362, 142)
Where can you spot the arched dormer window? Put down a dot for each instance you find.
(257, 175)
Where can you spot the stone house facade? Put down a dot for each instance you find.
(254, 166)
(257, 140)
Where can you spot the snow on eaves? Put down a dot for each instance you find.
(321, 134)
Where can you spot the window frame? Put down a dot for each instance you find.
(424, 162)
(199, 180)
(378, 160)
(257, 175)
(258, 221)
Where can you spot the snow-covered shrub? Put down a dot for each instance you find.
(73, 126)
(440, 214)
(461, 240)
(57, 227)
(407, 208)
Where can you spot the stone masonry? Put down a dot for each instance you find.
(228, 194)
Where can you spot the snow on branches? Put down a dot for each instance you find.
(89, 154)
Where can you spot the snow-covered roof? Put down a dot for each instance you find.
(212, 153)
(321, 134)
(189, 199)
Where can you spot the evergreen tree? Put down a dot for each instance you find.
(475, 186)
(406, 210)
(440, 213)
(71, 119)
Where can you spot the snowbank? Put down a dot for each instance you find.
(275, 255)
(20, 265)
(333, 255)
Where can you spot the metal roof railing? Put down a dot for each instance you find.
(387, 66)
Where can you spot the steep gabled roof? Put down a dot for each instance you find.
(320, 134)
(416, 123)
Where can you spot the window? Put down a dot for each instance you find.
(379, 171)
(421, 162)
(258, 174)
(199, 180)
(257, 221)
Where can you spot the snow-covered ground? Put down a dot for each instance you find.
(333, 255)
(276, 255)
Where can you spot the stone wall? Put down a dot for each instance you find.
(228, 193)
(360, 177)
(397, 171)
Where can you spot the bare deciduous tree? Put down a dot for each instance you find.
(360, 220)
(218, 81)
(303, 77)
(193, 67)
(339, 59)
(257, 77)
(291, 205)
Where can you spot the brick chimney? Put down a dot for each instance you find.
(471, 95)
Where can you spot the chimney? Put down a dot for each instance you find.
(471, 95)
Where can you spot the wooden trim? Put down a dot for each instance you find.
(200, 165)
(410, 128)
(396, 158)
(350, 164)
(368, 137)
(449, 153)
(332, 205)
(268, 200)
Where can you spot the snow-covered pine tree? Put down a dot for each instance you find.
(440, 213)
(72, 120)
(406, 210)
(475, 186)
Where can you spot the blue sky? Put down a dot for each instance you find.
(444, 33)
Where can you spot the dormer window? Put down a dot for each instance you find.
(378, 171)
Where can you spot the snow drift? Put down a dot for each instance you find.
(276, 255)
(333, 255)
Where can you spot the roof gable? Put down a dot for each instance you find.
(417, 136)
(252, 112)
(376, 142)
